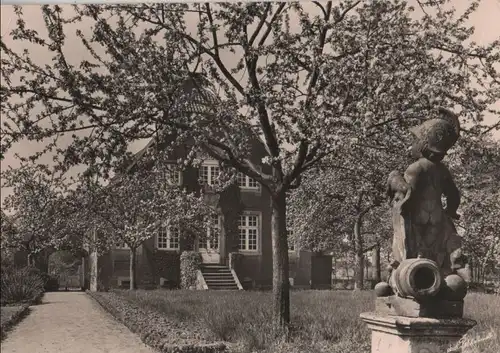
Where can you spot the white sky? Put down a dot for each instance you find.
(485, 21)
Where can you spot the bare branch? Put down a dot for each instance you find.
(261, 24)
(317, 3)
(269, 25)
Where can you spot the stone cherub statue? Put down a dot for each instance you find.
(428, 261)
(422, 227)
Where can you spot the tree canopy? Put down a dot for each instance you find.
(304, 83)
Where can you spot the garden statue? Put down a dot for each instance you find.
(429, 273)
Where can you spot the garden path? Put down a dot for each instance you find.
(71, 322)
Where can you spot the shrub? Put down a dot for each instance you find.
(165, 333)
(11, 316)
(22, 285)
(190, 263)
(50, 282)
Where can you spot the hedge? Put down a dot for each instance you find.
(154, 329)
(190, 264)
(13, 319)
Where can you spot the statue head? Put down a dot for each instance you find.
(434, 137)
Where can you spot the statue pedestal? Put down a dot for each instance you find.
(400, 334)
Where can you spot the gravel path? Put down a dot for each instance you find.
(71, 322)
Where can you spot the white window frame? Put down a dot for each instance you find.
(171, 166)
(169, 238)
(259, 232)
(247, 182)
(207, 233)
(294, 243)
(210, 164)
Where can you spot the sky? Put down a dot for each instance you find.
(485, 21)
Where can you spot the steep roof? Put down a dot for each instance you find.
(194, 96)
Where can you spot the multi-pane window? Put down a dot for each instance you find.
(210, 240)
(245, 182)
(168, 237)
(249, 232)
(291, 240)
(173, 175)
(209, 174)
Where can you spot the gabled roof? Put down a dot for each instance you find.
(194, 96)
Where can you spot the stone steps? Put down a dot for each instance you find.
(218, 277)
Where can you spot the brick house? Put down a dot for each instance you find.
(243, 227)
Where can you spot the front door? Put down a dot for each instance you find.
(208, 244)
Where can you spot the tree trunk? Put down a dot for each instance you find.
(93, 261)
(133, 269)
(93, 270)
(359, 262)
(376, 264)
(281, 285)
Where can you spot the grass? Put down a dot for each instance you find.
(10, 316)
(485, 309)
(322, 321)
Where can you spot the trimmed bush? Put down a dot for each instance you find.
(165, 334)
(11, 315)
(190, 264)
(24, 285)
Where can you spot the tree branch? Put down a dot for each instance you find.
(260, 25)
(269, 25)
(317, 3)
(52, 97)
(248, 168)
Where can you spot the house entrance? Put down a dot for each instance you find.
(209, 250)
(209, 243)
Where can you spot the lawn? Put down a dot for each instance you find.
(7, 312)
(10, 316)
(322, 321)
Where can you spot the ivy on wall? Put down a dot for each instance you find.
(190, 264)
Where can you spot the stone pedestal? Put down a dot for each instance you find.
(399, 334)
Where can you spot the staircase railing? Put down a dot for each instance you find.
(235, 276)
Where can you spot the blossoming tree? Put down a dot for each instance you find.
(36, 213)
(136, 205)
(302, 79)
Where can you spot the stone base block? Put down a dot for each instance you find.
(434, 307)
(398, 334)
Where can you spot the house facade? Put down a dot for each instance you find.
(242, 226)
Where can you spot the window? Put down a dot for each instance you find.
(173, 175)
(209, 173)
(245, 182)
(168, 238)
(249, 232)
(291, 240)
(210, 240)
